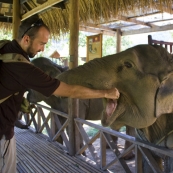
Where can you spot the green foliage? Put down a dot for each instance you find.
(5, 35)
(82, 39)
(123, 129)
(108, 45)
(126, 43)
(92, 131)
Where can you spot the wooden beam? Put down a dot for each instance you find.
(147, 30)
(40, 8)
(98, 30)
(126, 19)
(118, 41)
(23, 1)
(73, 104)
(16, 18)
(26, 7)
(7, 1)
(138, 22)
(6, 19)
(8, 14)
(97, 26)
(74, 34)
(162, 20)
(41, 1)
(144, 15)
(120, 27)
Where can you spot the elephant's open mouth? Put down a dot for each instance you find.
(110, 107)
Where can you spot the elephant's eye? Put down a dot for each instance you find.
(127, 64)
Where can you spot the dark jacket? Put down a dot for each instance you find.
(17, 77)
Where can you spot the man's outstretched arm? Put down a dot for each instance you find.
(80, 92)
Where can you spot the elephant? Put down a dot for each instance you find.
(143, 75)
(49, 68)
(89, 109)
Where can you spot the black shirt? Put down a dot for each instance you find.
(17, 77)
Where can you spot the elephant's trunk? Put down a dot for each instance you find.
(93, 74)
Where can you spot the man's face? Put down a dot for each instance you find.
(37, 44)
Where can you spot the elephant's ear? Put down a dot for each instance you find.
(164, 97)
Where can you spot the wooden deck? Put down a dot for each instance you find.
(35, 154)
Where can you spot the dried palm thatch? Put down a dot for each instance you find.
(6, 27)
(100, 11)
(96, 11)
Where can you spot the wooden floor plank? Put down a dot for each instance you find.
(46, 155)
(36, 154)
(40, 160)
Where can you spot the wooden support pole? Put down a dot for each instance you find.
(73, 51)
(118, 40)
(16, 17)
(74, 33)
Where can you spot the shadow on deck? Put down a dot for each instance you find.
(36, 154)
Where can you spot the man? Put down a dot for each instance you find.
(16, 77)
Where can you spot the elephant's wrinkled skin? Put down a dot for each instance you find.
(89, 109)
(144, 77)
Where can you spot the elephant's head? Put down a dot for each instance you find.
(49, 67)
(137, 73)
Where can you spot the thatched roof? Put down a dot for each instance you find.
(102, 15)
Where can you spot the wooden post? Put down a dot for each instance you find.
(118, 40)
(73, 51)
(138, 159)
(16, 17)
(38, 120)
(52, 125)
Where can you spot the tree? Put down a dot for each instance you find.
(126, 42)
(109, 44)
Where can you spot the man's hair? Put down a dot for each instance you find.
(29, 28)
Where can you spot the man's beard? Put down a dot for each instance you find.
(29, 51)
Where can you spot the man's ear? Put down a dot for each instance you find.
(24, 42)
(164, 97)
(26, 39)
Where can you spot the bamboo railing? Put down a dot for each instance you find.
(38, 120)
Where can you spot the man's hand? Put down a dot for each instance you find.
(112, 94)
